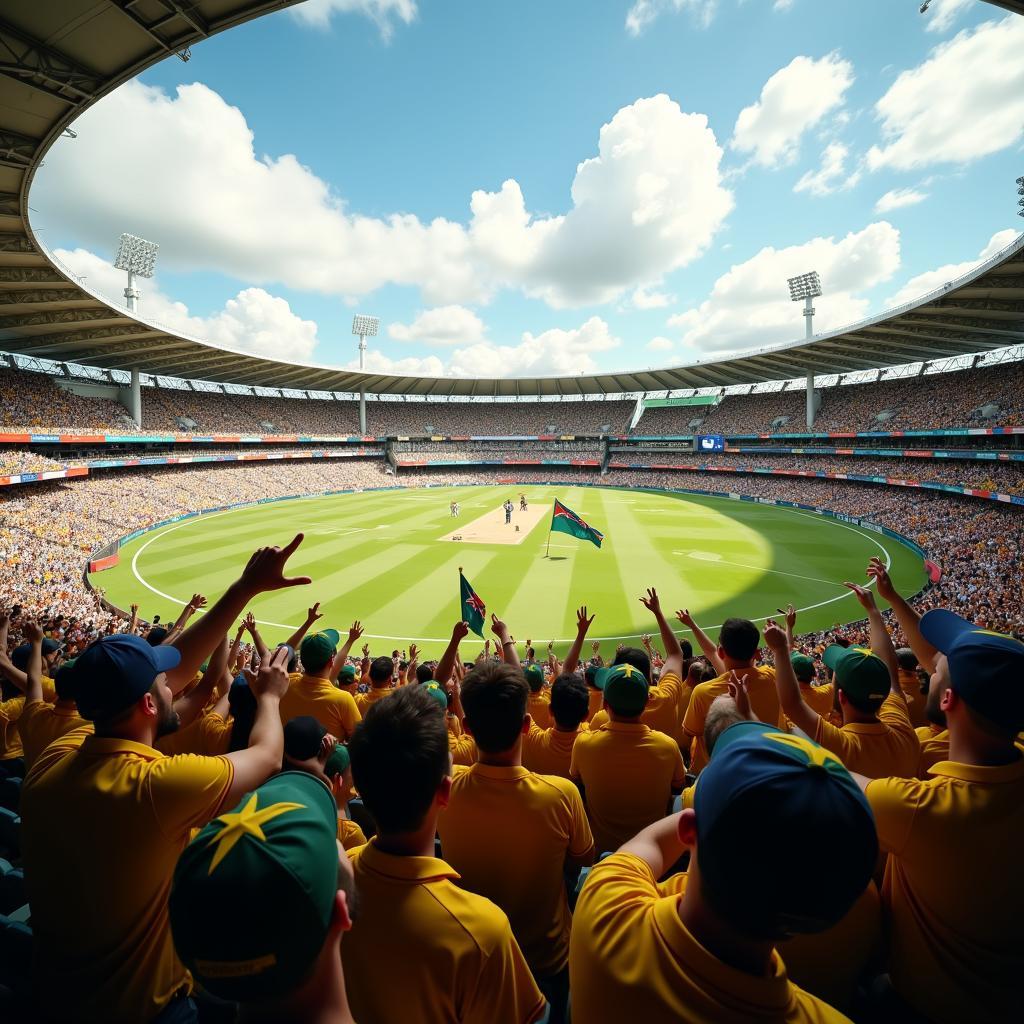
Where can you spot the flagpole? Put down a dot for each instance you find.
(552, 523)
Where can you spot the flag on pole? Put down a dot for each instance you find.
(473, 609)
(564, 520)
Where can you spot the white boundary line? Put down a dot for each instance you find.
(565, 640)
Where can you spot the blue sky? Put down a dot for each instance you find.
(744, 140)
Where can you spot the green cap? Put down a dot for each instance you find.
(338, 762)
(803, 667)
(625, 689)
(534, 677)
(318, 649)
(348, 672)
(860, 674)
(253, 893)
(435, 691)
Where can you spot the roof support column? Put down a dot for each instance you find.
(811, 410)
(131, 398)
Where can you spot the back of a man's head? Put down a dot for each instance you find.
(424, 673)
(494, 699)
(570, 701)
(400, 757)
(381, 670)
(739, 639)
(721, 714)
(635, 657)
(906, 659)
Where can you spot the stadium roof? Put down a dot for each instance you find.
(56, 59)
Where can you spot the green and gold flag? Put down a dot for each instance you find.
(473, 609)
(564, 520)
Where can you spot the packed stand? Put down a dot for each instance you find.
(35, 403)
(14, 461)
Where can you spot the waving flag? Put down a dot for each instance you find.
(564, 520)
(473, 609)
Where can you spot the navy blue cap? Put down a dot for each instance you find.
(986, 669)
(115, 672)
(19, 656)
(762, 782)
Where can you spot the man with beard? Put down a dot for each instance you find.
(105, 816)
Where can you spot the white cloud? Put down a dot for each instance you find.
(383, 13)
(444, 325)
(793, 100)
(943, 13)
(897, 198)
(644, 298)
(749, 305)
(643, 12)
(831, 176)
(650, 201)
(965, 102)
(553, 351)
(253, 321)
(782, 5)
(660, 344)
(376, 361)
(932, 279)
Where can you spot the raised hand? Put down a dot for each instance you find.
(460, 631)
(327, 745)
(582, 622)
(414, 653)
(864, 596)
(265, 569)
(32, 632)
(248, 623)
(775, 637)
(790, 616)
(738, 692)
(272, 678)
(497, 627)
(684, 616)
(652, 602)
(366, 650)
(312, 614)
(355, 631)
(596, 646)
(197, 601)
(878, 572)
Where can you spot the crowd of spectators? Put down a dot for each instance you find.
(36, 403)
(449, 451)
(14, 461)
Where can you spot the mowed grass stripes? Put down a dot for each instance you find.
(378, 557)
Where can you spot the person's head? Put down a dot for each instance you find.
(803, 668)
(242, 706)
(906, 659)
(120, 684)
(721, 714)
(687, 649)
(51, 651)
(303, 743)
(261, 897)
(977, 687)
(636, 657)
(156, 636)
(626, 690)
(590, 676)
(381, 670)
(347, 675)
(570, 703)
(494, 697)
(400, 760)
(861, 677)
(737, 642)
(424, 673)
(317, 651)
(63, 682)
(761, 781)
(534, 676)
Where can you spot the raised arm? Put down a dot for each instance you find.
(443, 669)
(414, 658)
(311, 616)
(189, 708)
(673, 652)
(508, 646)
(262, 651)
(34, 674)
(659, 844)
(197, 601)
(790, 614)
(881, 642)
(908, 619)
(708, 649)
(355, 631)
(263, 572)
(790, 698)
(572, 659)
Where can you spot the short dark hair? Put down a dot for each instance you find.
(635, 657)
(494, 697)
(570, 701)
(906, 659)
(424, 673)
(739, 638)
(687, 649)
(381, 669)
(864, 706)
(400, 756)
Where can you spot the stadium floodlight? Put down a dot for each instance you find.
(806, 287)
(363, 327)
(138, 257)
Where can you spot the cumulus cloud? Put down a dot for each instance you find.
(964, 102)
(932, 279)
(831, 176)
(943, 13)
(253, 321)
(378, 362)
(793, 100)
(660, 344)
(643, 12)
(897, 198)
(749, 305)
(650, 201)
(383, 13)
(644, 298)
(444, 325)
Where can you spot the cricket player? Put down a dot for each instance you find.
(509, 507)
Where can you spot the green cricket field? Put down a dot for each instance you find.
(391, 559)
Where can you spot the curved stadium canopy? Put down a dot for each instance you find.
(56, 59)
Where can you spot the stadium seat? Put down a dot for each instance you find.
(12, 890)
(15, 954)
(10, 833)
(10, 793)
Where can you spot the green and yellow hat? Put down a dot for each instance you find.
(860, 673)
(253, 893)
(534, 677)
(625, 689)
(318, 649)
(437, 692)
(803, 667)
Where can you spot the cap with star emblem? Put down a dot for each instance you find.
(318, 649)
(625, 689)
(253, 893)
(860, 673)
(986, 668)
(764, 800)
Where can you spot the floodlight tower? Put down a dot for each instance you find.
(1020, 192)
(138, 257)
(808, 288)
(363, 327)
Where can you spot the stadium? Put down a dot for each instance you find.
(474, 547)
